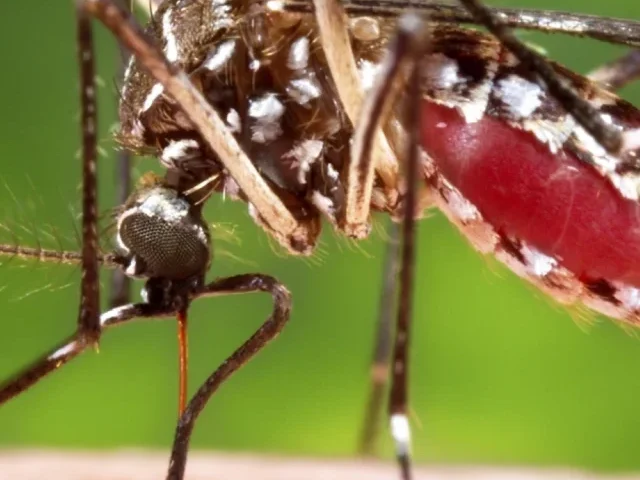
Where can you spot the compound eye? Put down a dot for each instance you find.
(163, 235)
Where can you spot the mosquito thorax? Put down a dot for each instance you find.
(161, 234)
(268, 79)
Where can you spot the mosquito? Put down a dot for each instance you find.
(210, 102)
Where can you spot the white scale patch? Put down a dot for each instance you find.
(171, 43)
(254, 65)
(177, 151)
(520, 96)
(222, 14)
(113, 314)
(267, 111)
(324, 204)
(137, 130)
(62, 351)
(631, 140)
(629, 297)
(305, 153)
(303, 90)
(332, 172)
(442, 74)
(275, 5)
(461, 207)
(155, 92)
(133, 267)
(401, 433)
(298, 57)
(233, 121)
(628, 185)
(368, 71)
(171, 208)
(538, 264)
(553, 134)
(220, 56)
(127, 74)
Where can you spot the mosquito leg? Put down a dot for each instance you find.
(379, 156)
(296, 235)
(612, 30)
(382, 350)
(88, 317)
(618, 73)
(376, 107)
(64, 352)
(398, 398)
(267, 331)
(74, 346)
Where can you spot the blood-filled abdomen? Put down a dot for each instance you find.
(553, 202)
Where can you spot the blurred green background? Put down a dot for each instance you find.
(499, 375)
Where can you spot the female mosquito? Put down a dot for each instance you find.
(165, 145)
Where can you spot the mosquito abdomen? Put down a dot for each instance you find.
(548, 215)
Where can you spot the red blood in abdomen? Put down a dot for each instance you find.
(555, 203)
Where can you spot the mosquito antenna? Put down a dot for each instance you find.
(65, 257)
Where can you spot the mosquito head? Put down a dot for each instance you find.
(161, 234)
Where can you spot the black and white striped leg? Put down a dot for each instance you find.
(399, 399)
(401, 62)
(74, 346)
(88, 316)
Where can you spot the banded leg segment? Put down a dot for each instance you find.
(612, 30)
(119, 315)
(402, 59)
(399, 399)
(88, 317)
(382, 350)
(74, 346)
